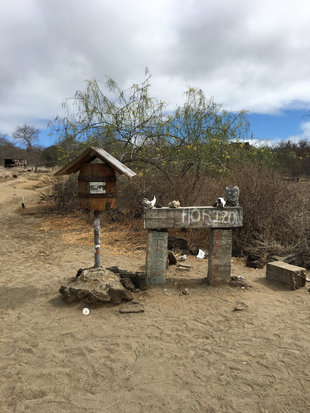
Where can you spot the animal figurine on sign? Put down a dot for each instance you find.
(232, 196)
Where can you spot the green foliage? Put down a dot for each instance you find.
(188, 142)
(293, 157)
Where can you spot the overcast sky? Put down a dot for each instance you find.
(247, 54)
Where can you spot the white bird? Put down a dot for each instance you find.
(149, 204)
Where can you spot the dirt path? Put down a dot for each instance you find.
(186, 353)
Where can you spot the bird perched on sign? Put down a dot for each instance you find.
(149, 204)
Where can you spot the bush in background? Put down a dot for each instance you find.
(64, 194)
(276, 213)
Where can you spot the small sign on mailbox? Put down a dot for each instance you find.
(97, 187)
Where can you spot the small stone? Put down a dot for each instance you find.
(185, 291)
(240, 306)
(239, 281)
(132, 307)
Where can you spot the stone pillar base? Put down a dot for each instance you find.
(219, 268)
(156, 257)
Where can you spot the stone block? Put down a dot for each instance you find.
(289, 275)
(219, 267)
(156, 257)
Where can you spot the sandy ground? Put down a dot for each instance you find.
(185, 353)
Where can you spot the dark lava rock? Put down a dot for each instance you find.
(127, 283)
(137, 278)
(254, 261)
(172, 260)
(176, 243)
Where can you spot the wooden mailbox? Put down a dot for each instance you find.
(97, 178)
(96, 184)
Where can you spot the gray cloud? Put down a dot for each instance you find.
(246, 54)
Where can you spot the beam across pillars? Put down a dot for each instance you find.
(221, 221)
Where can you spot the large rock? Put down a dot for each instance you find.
(95, 286)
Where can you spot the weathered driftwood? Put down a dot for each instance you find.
(290, 275)
(95, 286)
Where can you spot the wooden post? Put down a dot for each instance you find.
(97, 238)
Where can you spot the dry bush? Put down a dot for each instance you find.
(64, 194)
(276, 213)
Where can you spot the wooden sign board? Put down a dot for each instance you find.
(193, 217)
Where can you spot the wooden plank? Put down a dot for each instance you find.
(193, 217)
(121, 168)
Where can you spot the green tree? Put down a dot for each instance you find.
(27, 135)
(294, 157)
(139, 129)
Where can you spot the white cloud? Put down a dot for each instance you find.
(305, 135)
(250, 55)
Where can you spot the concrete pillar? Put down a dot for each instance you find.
(219, 266)
(156, 256)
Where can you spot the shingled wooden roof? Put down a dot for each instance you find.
(88, 156)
